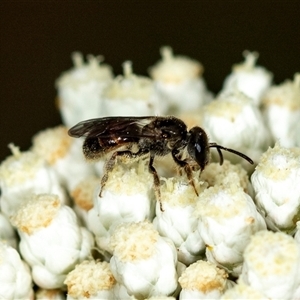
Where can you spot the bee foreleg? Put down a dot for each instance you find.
(187, 168)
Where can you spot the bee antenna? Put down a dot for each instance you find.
(219, 148)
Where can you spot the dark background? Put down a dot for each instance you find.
(37, 38)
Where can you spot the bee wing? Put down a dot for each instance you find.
(105, 127)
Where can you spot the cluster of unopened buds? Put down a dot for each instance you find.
(234, 233)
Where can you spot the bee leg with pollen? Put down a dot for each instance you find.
(111, 163)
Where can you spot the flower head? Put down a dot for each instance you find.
(130, 95)
(25, 173)
(276, 185)
(203, 280)
(92, 280)
(248, 78)
(143, 261)
(63, 154)
(127, 197)
(179, 83)
(80, 89)
(15, 277)
(282, 111)
(227, 219)
(46, 228)
(233, 120)
(177, 220)
(272, 265)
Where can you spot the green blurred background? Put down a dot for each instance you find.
(37, 38)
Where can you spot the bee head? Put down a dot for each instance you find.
(198, 146)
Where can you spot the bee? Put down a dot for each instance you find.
(134, 137)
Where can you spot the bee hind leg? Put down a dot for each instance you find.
(153, 171)
(111, 163)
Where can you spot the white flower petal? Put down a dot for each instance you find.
(272, 264)
(146, 268)
(80, 89)
(276, 184)
(250, 79)
(227, 219)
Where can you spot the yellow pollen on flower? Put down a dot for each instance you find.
(278, 162)
(272, 254)
(83, 192)
(216, 174)
(286, 95)
(36, 213)
(20, 167)
(43, 294)
(134, 241)
(221, 202)
(88, 278)
(129, 179)
(203, 276)
(175, 192)
(52, 144)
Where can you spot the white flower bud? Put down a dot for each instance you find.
(15, 278)
(63, 154)
(272, 265)
(233, 121)
(127, 197)
(276, 184)
(282, 111)
(227, 219)
(203, 280)
(143, 261)
(248, 78)
(80, 89)
(131, 95)
(177, 220)
(51, 240)
(22, 174)
(179, 83)
(91, 280)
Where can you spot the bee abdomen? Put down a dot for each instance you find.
(92, 149)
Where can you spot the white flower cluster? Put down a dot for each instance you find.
(239, 238)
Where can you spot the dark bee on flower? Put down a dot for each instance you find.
(134, 137)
